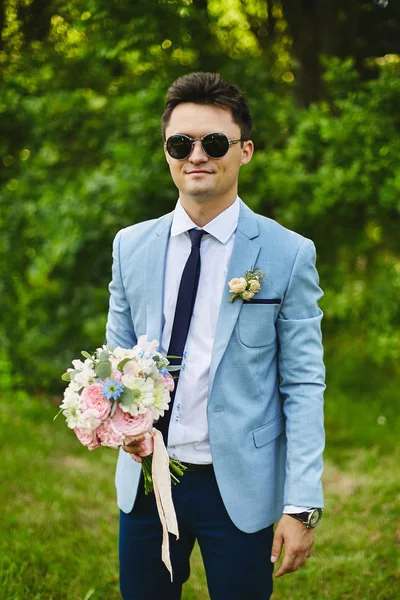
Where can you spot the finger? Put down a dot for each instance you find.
(136, 458)
(287, 565)
(295, 561)
(133, 448)
(276, 546)
(136, 440)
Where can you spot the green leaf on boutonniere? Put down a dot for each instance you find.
(86, 355)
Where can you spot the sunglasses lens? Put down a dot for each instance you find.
(179, 146)
(215, 145)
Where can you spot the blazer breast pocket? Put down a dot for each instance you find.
(256, 325)
(263, 301)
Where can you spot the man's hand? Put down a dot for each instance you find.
(298, 541)
(135, 446)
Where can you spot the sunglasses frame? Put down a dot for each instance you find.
(193, 140)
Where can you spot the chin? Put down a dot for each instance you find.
(200, 191)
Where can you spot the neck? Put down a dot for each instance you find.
(203, 212)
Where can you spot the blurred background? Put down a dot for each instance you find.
(82, 90)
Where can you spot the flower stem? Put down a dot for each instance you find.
(147, 461)
(147, 476)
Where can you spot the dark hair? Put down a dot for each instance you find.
(208, 88)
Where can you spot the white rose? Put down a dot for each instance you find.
(247, 295)
(237, 285)
(254, 285)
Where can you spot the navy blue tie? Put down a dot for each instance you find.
(183, 314)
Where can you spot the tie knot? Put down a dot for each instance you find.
(195, 237)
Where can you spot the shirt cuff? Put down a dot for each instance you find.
(291, 508)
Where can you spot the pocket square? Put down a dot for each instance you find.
(263, 301)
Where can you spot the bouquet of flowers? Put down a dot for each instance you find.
(114, 395)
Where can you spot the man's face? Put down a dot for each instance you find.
(199, 177)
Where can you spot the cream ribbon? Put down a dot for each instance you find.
(162, 491)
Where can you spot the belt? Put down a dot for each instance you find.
(194, 467)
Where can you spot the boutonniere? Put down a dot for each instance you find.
(246, 287)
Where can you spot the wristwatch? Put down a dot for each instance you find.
(310, 518)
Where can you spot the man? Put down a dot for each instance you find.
(247, 412)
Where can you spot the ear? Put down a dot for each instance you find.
(247, 152)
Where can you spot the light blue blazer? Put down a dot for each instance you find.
(265, 404)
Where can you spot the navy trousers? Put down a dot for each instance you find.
(237, 564)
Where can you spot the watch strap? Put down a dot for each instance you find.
(310, 517)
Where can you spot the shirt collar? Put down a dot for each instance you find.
(222, 227)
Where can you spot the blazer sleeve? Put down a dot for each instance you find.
(302, 380)
(119, 328)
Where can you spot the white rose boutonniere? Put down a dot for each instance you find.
(246, 287)
(237, 285)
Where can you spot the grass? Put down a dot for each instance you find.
(59, 520)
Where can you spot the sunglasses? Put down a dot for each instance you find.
(215, 145)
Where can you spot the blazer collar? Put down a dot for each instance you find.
(247, 222)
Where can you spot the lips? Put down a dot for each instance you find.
(198, 171)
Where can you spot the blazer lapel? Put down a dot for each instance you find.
(244, 258)
(155, 273)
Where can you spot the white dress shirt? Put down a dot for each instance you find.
(188, 431)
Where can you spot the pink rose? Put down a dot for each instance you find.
(93, 398)
(90, 440)
(109, 435)
(131, 426)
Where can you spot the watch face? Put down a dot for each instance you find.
(315, 517)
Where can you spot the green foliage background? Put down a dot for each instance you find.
(80, 102)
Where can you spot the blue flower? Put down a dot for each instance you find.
(164, 372)
(112, 389)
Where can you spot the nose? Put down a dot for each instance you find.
(197, 154)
